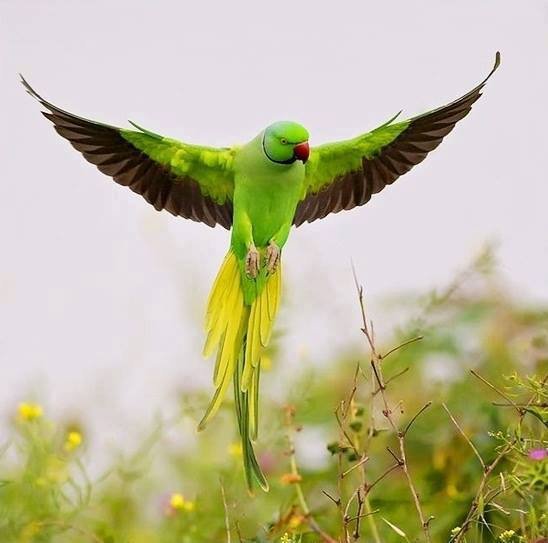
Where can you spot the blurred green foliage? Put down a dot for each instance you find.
(191, 489)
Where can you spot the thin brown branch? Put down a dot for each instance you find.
(390, 379)
(498, 391)
(414, 493)
(383, 475)
(337, 501)
(238, 532)
(409, 424)
(498, 404)
(490, 468)
(227, 519)
(290, 420)
(350, 399)
(349, 503)
(362, 461)
(377, 373)
(367, 330)
(358, 516)
(401, 346)
(475, 503)
(466, 438)
(394, 456)
(363, 515)
(325, 537)
(344, 432)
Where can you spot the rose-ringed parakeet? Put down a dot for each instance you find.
(258, 190)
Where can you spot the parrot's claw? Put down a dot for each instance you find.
(252, 262)
(272, 257)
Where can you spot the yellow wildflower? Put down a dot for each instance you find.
(508, 536)
(295, 521)
(29, 411)
(73, 441)
(286, 539)
(235, 449)
(178, 502)
(290, 478)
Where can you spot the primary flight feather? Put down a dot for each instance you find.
(258, 190)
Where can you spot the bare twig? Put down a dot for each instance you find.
(475, 503)
(401, 345)
(358, 516)
(315, 527)
(390, 379)
(227, 520)
(239, 532)
(498, 391)
(376, 368)
(362, 461)
(343, 430)
(414, 493)
(498, 404)
(383, 475)
(466, 438)
(394, 456)
(490, 468)
(363, 515)
(337, 501)
(422, 409)
(349, 401)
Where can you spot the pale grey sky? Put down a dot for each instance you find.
(100, 292)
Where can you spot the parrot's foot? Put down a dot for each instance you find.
(272, 257)
(252, 262)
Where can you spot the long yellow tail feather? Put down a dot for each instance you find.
(240, 333)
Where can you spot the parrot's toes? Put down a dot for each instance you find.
(252, 261)
(272, 257)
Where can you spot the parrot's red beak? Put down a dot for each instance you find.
(302, 151)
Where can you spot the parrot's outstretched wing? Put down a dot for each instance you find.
(190, 181)
(345, 174)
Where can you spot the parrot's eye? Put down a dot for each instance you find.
(283, 141)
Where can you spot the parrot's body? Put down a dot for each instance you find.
(244, 301)
(259, 190)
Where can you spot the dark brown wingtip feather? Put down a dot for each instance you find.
(424, 133)
(497, 62)
(493, 69)
(104, 146)
(36, 96)
(28, 88)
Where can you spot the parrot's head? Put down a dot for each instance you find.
(285, 142)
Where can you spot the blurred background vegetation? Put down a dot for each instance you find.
(460, 390)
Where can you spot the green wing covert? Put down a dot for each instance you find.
(345, 174)
(189, 181)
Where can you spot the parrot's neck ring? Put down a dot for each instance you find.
(289, 161)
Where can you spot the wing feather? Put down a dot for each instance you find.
(346, 174)
(187, 180)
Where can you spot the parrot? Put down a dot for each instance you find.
(258, 191)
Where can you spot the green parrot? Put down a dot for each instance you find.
(258, 190)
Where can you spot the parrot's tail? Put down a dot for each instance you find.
(240, 332)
